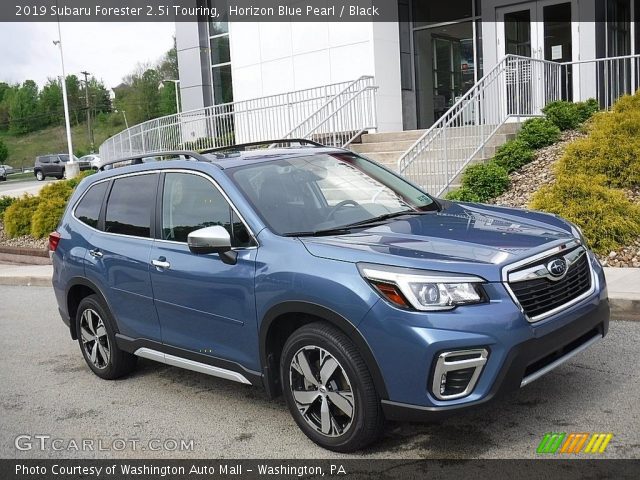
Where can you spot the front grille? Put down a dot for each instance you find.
(540, 295)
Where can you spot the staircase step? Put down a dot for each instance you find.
(407, 135)
(388, 159)
(370, 147)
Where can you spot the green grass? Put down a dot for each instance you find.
(18, 177)
(24, 149)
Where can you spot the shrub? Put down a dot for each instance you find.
(5, 201)
(588, 109)
(606, 216)
(46, 217)
(462, 194)
(17, 217)
(612, 149)
(568, 115)
(513, 155)
(56, 190)
(538, 133)
(4, 152)
(73, 182)
(484, 181)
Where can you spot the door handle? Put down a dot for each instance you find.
(96, 253)
(161, 263)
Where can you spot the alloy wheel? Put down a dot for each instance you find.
(95, 339)
(322, 391)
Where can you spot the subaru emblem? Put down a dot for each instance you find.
(557, 268)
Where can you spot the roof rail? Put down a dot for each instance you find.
(139, 159)
(264, 143)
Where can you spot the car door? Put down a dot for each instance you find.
(205, 306)
(45, 164)
(119, 255)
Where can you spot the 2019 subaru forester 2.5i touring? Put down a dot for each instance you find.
(322, 276)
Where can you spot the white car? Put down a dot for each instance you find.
(93, 159)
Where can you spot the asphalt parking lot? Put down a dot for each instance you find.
(46, 389)
(18, 187)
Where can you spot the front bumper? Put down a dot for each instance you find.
(519, 361)
(518, 350)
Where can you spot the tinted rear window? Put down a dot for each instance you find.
(130, 203)
(88, 210)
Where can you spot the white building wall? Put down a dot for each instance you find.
(270, 58)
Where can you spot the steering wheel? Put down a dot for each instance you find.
(339, 205)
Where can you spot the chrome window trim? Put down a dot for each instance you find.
(153, 172)
(549, 253)
(540, 271)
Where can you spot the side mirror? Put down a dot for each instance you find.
(212, 240)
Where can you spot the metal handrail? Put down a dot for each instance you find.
(516, 87)
(253, 120)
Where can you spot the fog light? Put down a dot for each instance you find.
(456, 373)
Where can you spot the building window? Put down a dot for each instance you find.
(220, 60)
(618, 28)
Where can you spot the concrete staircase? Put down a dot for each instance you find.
(387, 148)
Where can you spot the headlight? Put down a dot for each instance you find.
(423, 290)
(576, 231)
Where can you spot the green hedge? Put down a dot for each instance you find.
(513, 155)
(481, 182)
(5, 201)
(39, 215)
(606, 216)
(538, 133)
(569, 115)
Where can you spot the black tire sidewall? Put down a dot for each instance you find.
(309, 338)
(93, 302)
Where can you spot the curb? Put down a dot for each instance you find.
(28, 281)
(625, 309)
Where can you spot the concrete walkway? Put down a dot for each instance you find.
(623, 285)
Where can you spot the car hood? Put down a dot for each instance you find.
(482, 237)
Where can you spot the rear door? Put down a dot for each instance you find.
(205, 306)
(118, 259)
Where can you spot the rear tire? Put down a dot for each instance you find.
(329, 389)
(96, 337)
(39, 175)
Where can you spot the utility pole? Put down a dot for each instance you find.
(86, 93)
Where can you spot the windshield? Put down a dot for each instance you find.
(324, 192)
(65, 157)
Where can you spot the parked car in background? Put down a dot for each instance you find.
(53, 165)
(93, 159)
(324, 277)
(8, 169)
(3, 173)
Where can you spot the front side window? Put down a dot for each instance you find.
(130, 204)
(88, 209)
(322, 192)
(191, 202)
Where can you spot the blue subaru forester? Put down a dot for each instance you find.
(320, 275)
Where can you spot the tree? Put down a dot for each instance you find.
(23, 109)
(51, 106)
(4, 152)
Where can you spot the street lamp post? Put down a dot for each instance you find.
(65, 101)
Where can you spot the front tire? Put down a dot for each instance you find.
(39, 175)
(96, 337)
(329, 390)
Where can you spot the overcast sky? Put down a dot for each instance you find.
(109, 51)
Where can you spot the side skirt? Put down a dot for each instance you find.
(188, 360)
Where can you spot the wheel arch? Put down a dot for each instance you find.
(282, 319)
(79, 288)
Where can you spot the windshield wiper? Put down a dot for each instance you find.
(347, 228)
(382, 218)
(318, 233)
